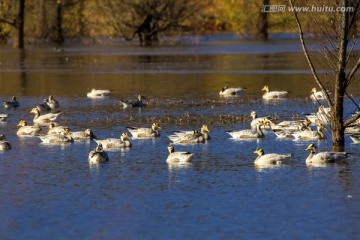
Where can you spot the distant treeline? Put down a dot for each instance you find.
(144, 20)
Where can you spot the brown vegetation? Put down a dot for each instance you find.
(145, 20)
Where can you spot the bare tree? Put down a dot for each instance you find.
(145, 19)
(337, 40)
(59, 39)
(264, 22)
(17, 21)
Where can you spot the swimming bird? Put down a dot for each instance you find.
(321, 116)
(353, 129)
(44, 119)
(145, 132)
(178, 157)
(271, 158)
(3, 117)
(191, 136)
(283, 130)
(53, 104)
(273, 94)
(355, 138)
(97, 93)
(311, 135)
(290, 133)
(134, 103)
(225, 91)
(13, 103)
(83, 135)
(43, 107)
(256, 119)
(53, 129)
(4, 145)
(317, 95)
(188, 138)
(26, 130)
(62, 137)
(289, 125)
(98, 155)
(324, 157)
(115, 142)
(248, 133)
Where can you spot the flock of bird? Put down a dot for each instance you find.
(46, 114)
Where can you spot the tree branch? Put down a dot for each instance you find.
(343, 47)
(352, 21)
(351, 99)
(353, 71)
(351, 50)
(12, 23)
(310, 63)
(352, 119)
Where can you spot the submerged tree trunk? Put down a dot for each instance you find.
(59, 39)
(336, 118)
(19, 25)
(42, 30)
(147, 32)
(82, 24)
(264, 23)
(337, 124)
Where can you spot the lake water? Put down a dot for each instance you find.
(51, 192)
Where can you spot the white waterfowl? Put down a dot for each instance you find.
(321, 116)
(26, 130)
(13, 103)
(83, 135)
(271, 158)
(98, 155)
(188, 138)
(145, 132)
(97, 93)
(191, 136)
(289, 133)
(3, 117)
(44, 119)
(225, 91)
(53, 129)
(324, 157)
(355, 138)
(273, 94)
(286, 131)
(311, 135)
(134, 103)
(115, 142)
(178, 157)
(62, 137)
(4, 145)
(353, 129)
(204, 130)
(317, 95)
(289, 125)
(248, 133)
(256, 119)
